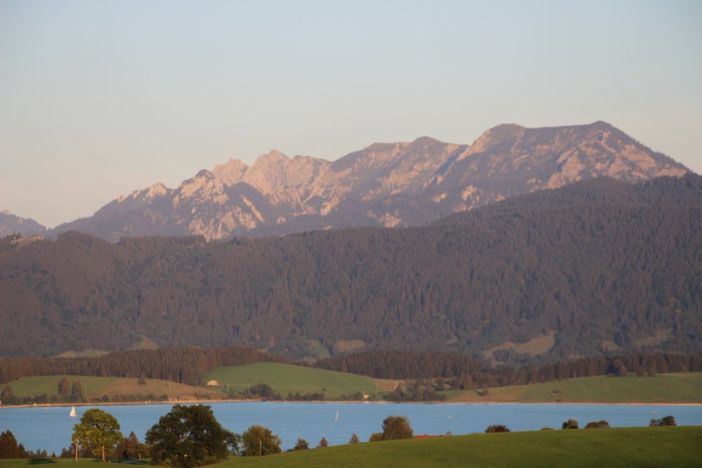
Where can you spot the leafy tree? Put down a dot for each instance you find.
(354, 439)
(189, 436)
(259, 440)
(9, 448)
(570, 424)
(301, 444)
(497, 428)
(7, 396)
(130, 448)
(375, 437)
(77, 392)
(63, 387)
(397, 427)
(323, 443)
(98, 431)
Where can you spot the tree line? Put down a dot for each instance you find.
(183, 365)
(430, 371)
(468, 372)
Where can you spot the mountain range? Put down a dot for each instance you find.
(600, 266)
(384, 184)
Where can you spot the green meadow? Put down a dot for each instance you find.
(96, 387)
(626, 447)
(285, 378)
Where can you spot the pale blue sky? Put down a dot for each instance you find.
(98, 98)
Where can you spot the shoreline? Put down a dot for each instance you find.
(318, 402)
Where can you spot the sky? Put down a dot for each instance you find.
(98, 99)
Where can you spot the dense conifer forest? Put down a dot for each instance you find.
(596, 268)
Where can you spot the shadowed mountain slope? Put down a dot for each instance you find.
(598, 266)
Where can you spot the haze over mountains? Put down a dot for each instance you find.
(599, 266)
(11, 224)
(385, 184)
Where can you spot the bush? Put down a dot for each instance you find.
(497, 428)
(354, 439)
(570, 424)
(376, 437)
(666, 421)
(323, 443)
(262, 390)
(301, 444)
(601, 424)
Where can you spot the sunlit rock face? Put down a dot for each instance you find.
(384, 184)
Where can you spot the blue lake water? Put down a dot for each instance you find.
(50, 428)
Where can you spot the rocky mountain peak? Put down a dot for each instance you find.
(157, 190)
(384, 184)
(231, 172)
(284, 179)
(499, 136)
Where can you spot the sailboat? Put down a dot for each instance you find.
(336, 417)
(73, 413)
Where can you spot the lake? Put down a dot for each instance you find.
(50, 428)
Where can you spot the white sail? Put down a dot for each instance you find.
(73, 413)
(336, 418)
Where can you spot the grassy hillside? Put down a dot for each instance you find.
(114, 387)
(608, 447)
(660, 447)
(670, 388)
(284, 378)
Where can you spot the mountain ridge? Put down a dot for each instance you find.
(13, 224)
(383, 184)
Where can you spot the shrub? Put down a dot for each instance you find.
(666, 421)
(376, 437)
(301, 444)
(354, 439)
(262, 390)
(570, 424)
(323, 443)
(497, 428)
(601, 424)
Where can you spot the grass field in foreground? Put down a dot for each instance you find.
(96, 387)
(284, 378)
(659, 446)
(663, 388)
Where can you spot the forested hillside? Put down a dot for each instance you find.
(596, 267)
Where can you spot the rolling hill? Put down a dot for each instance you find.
(287, 378)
